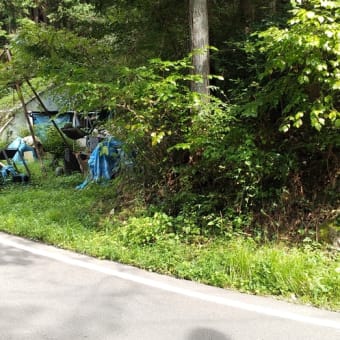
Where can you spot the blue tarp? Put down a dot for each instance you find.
(6, 170)
(42, 122)
(39, 118)
(21, 146)
(61, 119)
(104, 161)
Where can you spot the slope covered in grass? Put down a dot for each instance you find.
(93, 221)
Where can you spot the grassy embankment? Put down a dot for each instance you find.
(51, 210)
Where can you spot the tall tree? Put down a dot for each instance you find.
(199, 28)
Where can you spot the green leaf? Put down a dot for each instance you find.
(321, 19)
(329, 33)
(333, 115)
(310, 15)
(336, 85)
(180, 146)
(284, 128)
(299, 115)
(157, 137)
(303, 79)
(298, 123)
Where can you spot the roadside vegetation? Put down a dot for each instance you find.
(104, 221)
(237, 186)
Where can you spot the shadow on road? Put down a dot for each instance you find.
(207, 334)
(14, 256)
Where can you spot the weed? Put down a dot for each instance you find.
(49, 209)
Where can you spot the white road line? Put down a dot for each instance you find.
(173, 289)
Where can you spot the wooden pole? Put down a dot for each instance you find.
(37, 96)
(21, 97)
(47, 111)
(61, 134)
(22, 100)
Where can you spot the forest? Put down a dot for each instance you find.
(230, 109)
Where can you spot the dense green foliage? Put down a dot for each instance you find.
(300, 78)
(93, 222)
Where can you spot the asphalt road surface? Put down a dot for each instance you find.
(48, 293)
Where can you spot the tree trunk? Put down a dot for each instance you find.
(273, 6)
(248, 11)
(199, 29)
(35, 12)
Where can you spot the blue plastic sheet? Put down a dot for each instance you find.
(21, 146)
(61, 119)
(42, 122)
(39, 118)
(6, 170)
(104, 161)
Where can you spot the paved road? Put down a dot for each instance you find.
(48, 293)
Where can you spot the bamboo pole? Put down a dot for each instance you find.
(2, 129)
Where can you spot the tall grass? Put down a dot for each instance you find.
(51, 210)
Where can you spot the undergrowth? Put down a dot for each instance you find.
(108, 222)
